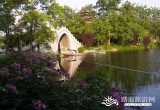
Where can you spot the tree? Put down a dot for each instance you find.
(7, 18)
(18, 32)
(129, 24)
(107, 10)
(56, 12)
(87, 39)
(112, 19)
(106, 5)
(99, 29)
(65, 16)
(155, 22)
(77, 25)
(37, 23)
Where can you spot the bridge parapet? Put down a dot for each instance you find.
(74, 43)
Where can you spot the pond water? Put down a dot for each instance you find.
(138, 72)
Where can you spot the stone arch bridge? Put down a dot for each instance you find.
(65, 42)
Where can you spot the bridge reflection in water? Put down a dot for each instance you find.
(70, 64)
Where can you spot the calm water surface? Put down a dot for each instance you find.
(138, 72)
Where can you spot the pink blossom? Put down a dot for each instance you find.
(49, 70)
(29, 60)
(79, 101)
(117, 96)
(27, 70)
(42, 58)
(13, 88)
(78, 80)
(35, 56)
(38, 104)
(43, 106)
(39, 101)
(84, 84)
(43, 80)
(16, 66)
(4, 72)
(51, 63)
(63, 73)
(113, 90)
(20, 78)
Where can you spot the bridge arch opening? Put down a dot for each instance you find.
(64, 44)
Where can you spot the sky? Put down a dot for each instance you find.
(77, 4)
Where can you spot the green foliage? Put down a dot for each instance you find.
(2, 39)
(113, 47)
(29, 78)
(131, 47)
(65, 16)
(157, 44)
(104, 47)
(7, 18)
(99, 29)
(37, 23)
(109, 23)
(106, 5)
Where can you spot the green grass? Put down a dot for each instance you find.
(82, 49)
(2, 42)
(112, 47)
(118, 47)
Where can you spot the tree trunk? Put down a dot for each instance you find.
(19, 42)
(98, 43)
(31, 40)
(108, 41)
(7, 45)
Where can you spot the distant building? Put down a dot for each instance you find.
(86, 14)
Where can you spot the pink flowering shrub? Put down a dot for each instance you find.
(117, 93)
(24, 78)
(38, 104)
(30, 82)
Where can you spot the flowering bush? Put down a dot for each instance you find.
(116, 93)
(24, 78)
(30, 82)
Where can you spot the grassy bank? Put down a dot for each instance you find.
(117, 48)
